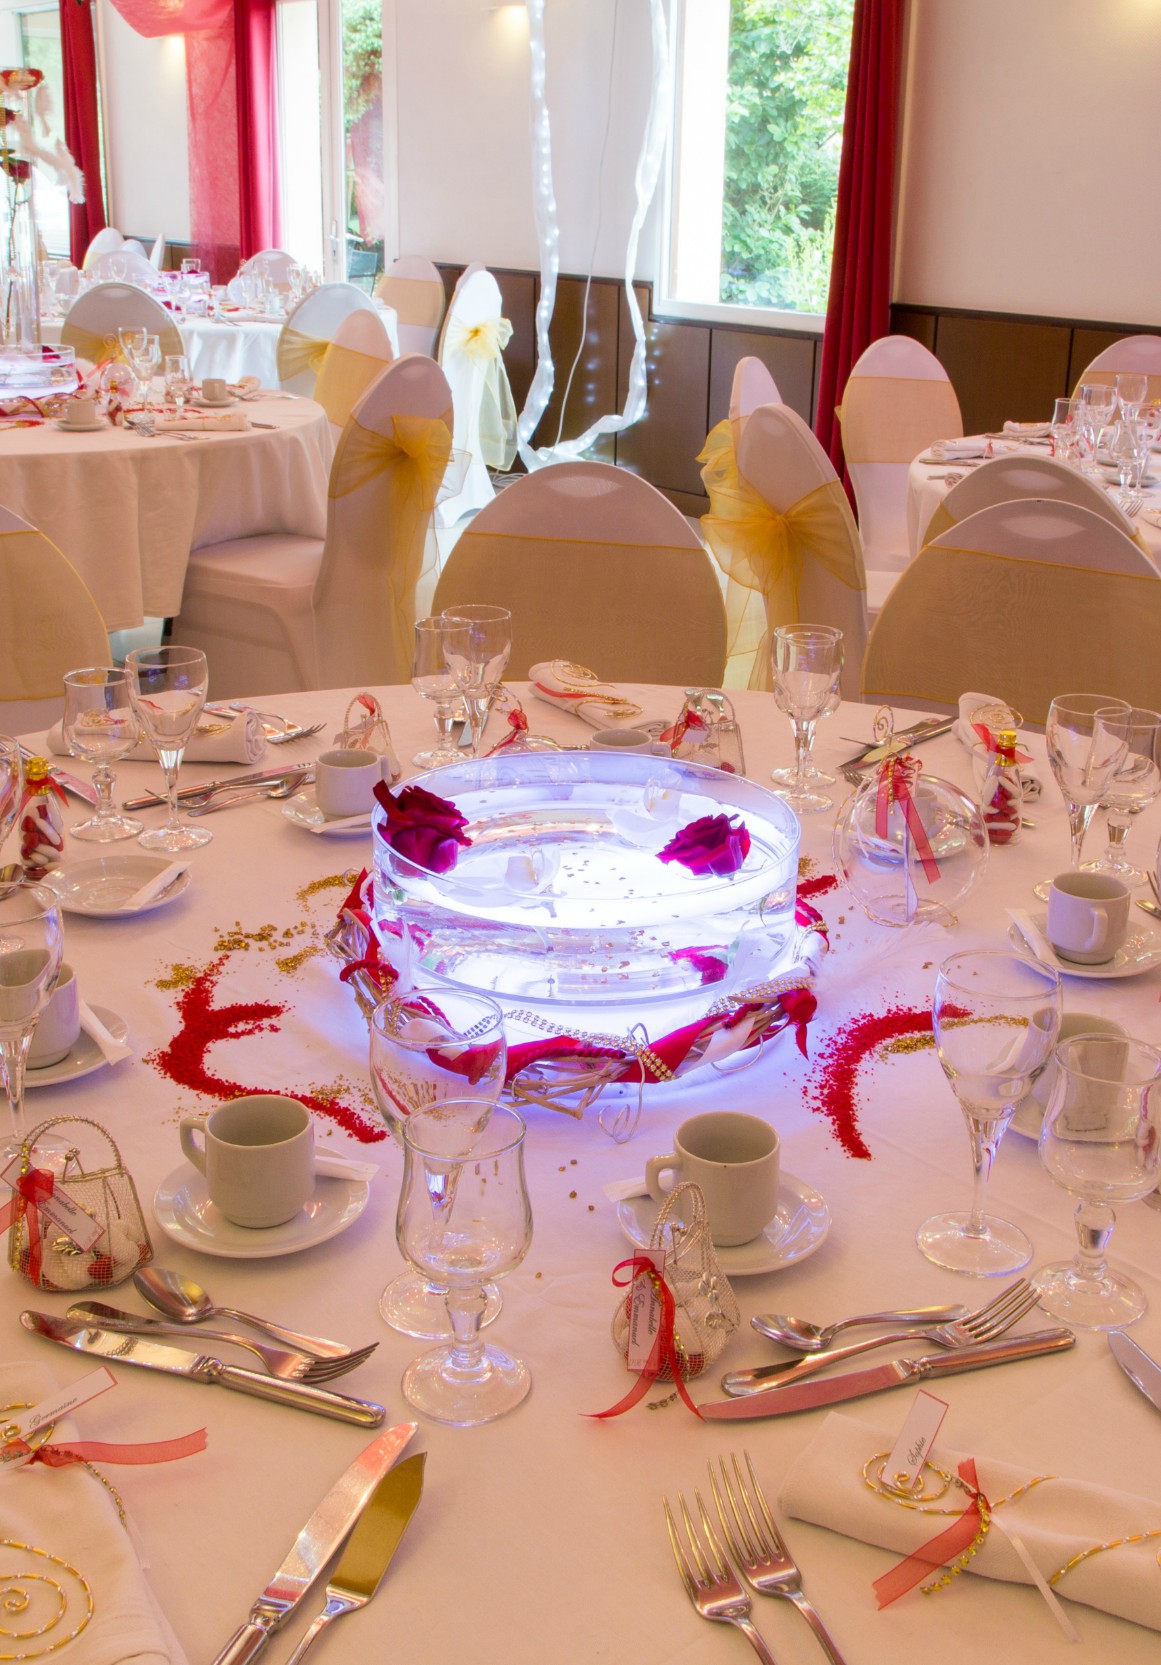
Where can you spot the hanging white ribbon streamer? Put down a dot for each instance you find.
(648, 171)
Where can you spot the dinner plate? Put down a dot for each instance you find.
(185, 1213)
(102, 886)
(799, 1226)
(78, 427)
(304, 812)
(1140, 951)
(82, 1058)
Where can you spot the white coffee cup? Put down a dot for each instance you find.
(257, 1154)
(215, 390)
(59, 1026)
(345, 781)
(80, 413)
(632, 740)
(734, 1158)
(1088, 916)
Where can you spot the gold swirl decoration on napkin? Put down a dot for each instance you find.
(762, 553)
(44, 1602)
(341, 374)
(482, 344)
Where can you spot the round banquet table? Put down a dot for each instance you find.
(540, 1537)
(232, 345)
(126, 509)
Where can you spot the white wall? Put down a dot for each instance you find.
(143, 92)
(1032, 164)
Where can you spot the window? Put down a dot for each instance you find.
(761, 87)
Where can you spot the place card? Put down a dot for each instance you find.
(917, 1436)
(645, 1311)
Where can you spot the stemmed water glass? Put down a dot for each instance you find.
(432, 677)
(1066, 429)
(31, 946)
(807, 662)
(133, 345)
(178, 382)
(477, 650)
(1087, 739)
(464, 1217)
(427, 1048)
(1131, 388)
(1136, 784)
(11, 784)
(101, 726)
(167, 689)
(1098, 407)
(995, 1017)
(1129, 449)
(1101, 1140)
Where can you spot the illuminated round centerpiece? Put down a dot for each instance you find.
(593, 878)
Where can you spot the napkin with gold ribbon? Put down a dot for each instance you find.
(204, 422)
(220, 737)
(575, 688)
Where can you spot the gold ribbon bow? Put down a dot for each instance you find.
(762, 553)
(482, 344)
(341, 374)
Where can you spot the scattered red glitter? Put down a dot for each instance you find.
(809, 888)
(831, 1089)
(184, 1059)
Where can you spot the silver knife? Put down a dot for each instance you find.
(149, 800)
(856, 1384)
(119, 1348)
(901, 742)
(319, 1539)
(1144, 1374)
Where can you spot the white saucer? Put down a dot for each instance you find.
(185, 1213)
(82, 1058)
(212, 404)
(798, 1227)
(102, 886)
(304, 812)
(1140, 951)
(78, 427)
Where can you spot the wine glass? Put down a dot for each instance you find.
(1131, 388)
(1101, 1140)
(133, 344)
(464, 1217)
(426, 1048)
(1136, 784)
(1098, 407)
(178, 381)
(167, 690)
(101, 726)
(807, 661)
(11, 783)
(1063, 428)
(995, 1017)
(1129, 450)
(1087, 739)
(477, 652)
(432, 677)
(31, 946)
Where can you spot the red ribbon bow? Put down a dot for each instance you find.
(939, 1551)
(99, 1451)
(32, 1189)
(897, 778)
(663, 1350)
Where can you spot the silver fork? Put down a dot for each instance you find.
(1133, 504)
(709, 1582)
(760, 1549)
(985, 1325)
(293, 734)
(278, 1361)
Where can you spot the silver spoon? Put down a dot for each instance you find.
(227, 799)
(187, 1302)
(806, 1337)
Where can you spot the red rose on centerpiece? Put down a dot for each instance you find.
(17, 168)
(712, 845)
(21, 79)
(421, 827)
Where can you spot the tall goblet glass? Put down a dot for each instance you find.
(178, 381)
(807, 661)
(101, 726)
(477, 652)
(134, 347)
(464, 1218)
(426, 1048)
(432, 677)
(1131, 387)
(1098, 408)
(995, 1017)
(31, 945)
(1087, 738)
(167, 689)
(1136, 784)
(1101, 1140)
(11, 788)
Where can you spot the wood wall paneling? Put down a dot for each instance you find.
(789, 359)
(592, 326)
(1086, 344)
(920, 326)
(1003, 368)
(518, 294)
(664, 445)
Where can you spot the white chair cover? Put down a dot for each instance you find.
(94, 319)
(1135, 352)
(471, 349)
(358, 356)
(49, 624)
(316, 321)
(1004, 479)
(413, 287)
(597, 568)
(897, 400)
(1027, 599)
(123, 265)
(103, 242)
(157, 253)
(274, 263)
(753, 385)
(282, 612)
(134, 245)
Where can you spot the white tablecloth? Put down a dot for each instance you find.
(540, 1537)
(228, 346)
(127, 510)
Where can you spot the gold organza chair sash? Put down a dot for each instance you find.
(341, 374)
(1108, 378)
(890, 419)
(417, 301)
(762, 553)
(98, 349)
(53, 625)
(483, 345)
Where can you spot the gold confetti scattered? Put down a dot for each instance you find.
(179, 976)
(290, 963)
(572, 1194)
(908, 1043)
(806, 866)
(333, 881)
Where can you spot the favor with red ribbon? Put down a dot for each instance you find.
(897, 781)
(663, 1354)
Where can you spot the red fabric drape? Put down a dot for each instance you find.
(858, 308)
(82, 125)
(254, 48)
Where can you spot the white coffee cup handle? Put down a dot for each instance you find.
(1099, 935)
(654, 1168)
(194, 1152)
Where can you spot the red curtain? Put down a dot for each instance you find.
(858, 308)
(254, 48)
(82, 124)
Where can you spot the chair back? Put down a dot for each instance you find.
(753, 385)
(50, 625)
(413, 287)
(1004, 479)
(1027, 599)
(358, 355)
(471, 356)
(597, 567)
(95, 317)
(386, 470)
(1141, 353)
(123, 265)
(306, 334)
(103, 242)
(157, 253)
(274, 264)
(897, 400)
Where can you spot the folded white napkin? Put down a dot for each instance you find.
(204, 422)
(599, 704)
(1027, 430)
(967, 736)
(1055, 1521)
(971, 445)
(220, 737)
(70, 1514)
